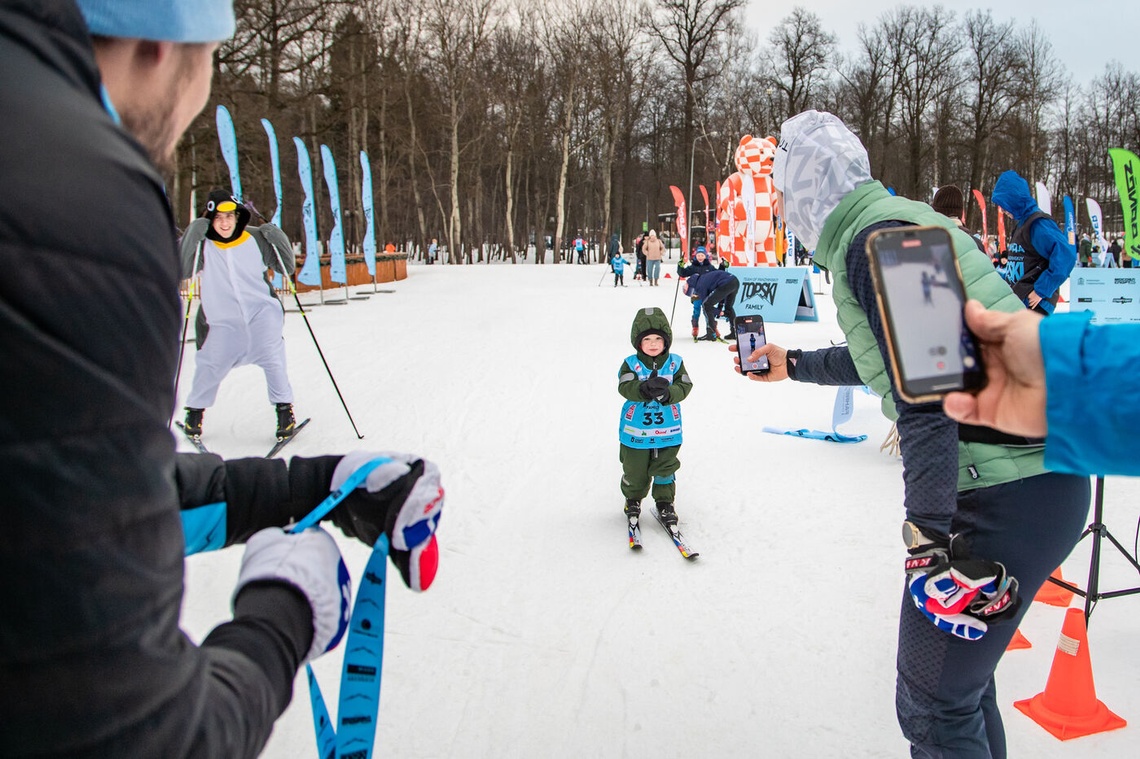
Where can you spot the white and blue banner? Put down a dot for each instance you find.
(275, 166)
(1070, 222)
(1112, 295)
(311, 272)
(369, 230)
(778, 293)
(227, 139)
(337, 271)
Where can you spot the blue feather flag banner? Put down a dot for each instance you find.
(227, 139)
(336, 237)
(369, 230)
(1070, 222)
(275, 165)
(311, 271)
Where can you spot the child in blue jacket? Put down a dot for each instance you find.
(617, 263)
(653, 382)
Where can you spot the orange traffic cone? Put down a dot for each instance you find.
(667, 275)
(1053, 594)
(1068, 707)
(1019, 641)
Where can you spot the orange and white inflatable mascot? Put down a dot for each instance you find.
(745, 229)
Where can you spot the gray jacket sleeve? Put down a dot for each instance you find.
(189, 249)
(275, 249)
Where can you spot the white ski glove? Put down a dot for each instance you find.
(310, 562)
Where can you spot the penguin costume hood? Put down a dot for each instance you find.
(221, 200)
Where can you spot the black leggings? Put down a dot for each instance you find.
(945, 694)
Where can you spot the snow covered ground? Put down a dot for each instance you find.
(544, 635)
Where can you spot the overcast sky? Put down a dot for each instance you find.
(1086, 35)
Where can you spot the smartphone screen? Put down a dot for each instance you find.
(921, 299)
(749, 337)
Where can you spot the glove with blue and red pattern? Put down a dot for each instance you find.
(402, 498)
(958, 593)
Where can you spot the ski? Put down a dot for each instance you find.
(195, 440)
(678, 538)
(634, 533)
(285, 441)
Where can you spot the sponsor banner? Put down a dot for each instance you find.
(1126, 167)
(1112, 295)
(777, 293)
(1094, 220)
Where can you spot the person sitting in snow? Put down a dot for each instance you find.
(653, 382)
(240, 319)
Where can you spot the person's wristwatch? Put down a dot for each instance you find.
(913, 536)
(790, 359)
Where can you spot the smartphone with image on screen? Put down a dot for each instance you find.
(921, 299)
(750, 336)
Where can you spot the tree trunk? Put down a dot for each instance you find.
(455, 225)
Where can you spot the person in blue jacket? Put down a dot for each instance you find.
(617, 263)
(1025, 355)
(717, 288)
(1040, 257)
(698, 265)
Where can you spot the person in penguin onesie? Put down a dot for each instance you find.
(241, 319)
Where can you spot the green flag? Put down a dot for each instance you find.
(1126, 167)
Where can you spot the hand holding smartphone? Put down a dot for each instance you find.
(921, 299)
(750, 336)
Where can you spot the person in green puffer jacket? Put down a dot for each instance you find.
(985, 522)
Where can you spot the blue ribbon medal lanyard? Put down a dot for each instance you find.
(840, 413)
(359, 699)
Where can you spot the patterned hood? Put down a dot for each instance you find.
(818, 161)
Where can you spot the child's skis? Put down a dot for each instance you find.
(678, 538)
(634, 533)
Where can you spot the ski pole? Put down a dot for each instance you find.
(305, 316)
(675, 293)
(182, 346)
(185, 327)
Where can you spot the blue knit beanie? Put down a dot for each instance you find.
(165, 20)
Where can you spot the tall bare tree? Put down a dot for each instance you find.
(993, 70)
(924, 47)
(801, 52)
(459, 31)
(693, 34)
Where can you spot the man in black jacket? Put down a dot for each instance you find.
(92, 660)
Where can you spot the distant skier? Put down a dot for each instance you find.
(653, 382)
(241, 319)
(617, 263)
(699, 264)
